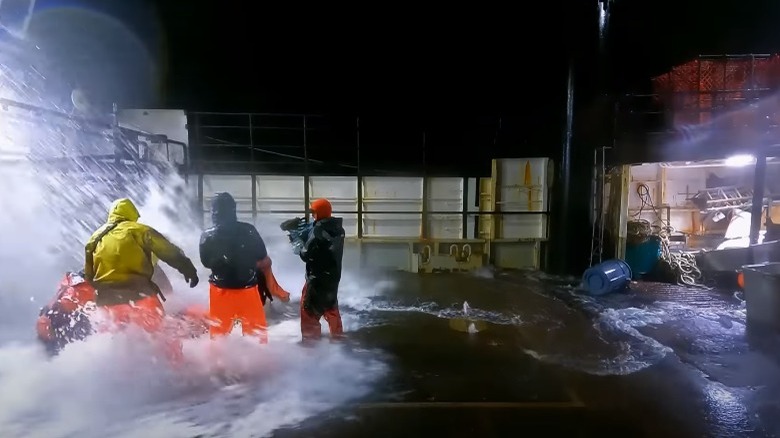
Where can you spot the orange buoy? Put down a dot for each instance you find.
(741, 280)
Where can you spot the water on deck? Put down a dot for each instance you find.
(531, 356)
(526, 355)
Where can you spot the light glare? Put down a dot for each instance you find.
(740, 160)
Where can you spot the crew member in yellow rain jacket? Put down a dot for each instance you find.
(119, 263)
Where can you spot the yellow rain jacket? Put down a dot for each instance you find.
(119, 259)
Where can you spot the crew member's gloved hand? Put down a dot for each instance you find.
(285, 298)
(192, 280)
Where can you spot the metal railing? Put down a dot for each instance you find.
(360, 213)
(306, 145)
(123, 143)
(297, 144)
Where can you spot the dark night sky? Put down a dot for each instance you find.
(487, 59)
(389, 59)
(652, 36)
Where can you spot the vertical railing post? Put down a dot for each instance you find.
(193, 137)
(252, 168)
(254, 198)
(465, 217)
(201, 208)
(359, 182)
(306, 193)
(424, 216)
(251, 144)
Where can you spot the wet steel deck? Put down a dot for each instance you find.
(550, 362)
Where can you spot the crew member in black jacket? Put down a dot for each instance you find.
(322, 251)
(241, 276)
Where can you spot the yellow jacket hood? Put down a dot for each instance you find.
(123, 210)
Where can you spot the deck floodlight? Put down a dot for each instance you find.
(741, 160)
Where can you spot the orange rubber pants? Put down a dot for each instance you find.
(243, 305)
(310, 322)
(148, 314)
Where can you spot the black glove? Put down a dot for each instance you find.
(265, 296)
(192, 280)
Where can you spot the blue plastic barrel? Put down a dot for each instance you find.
(643, 258)
(609, 276)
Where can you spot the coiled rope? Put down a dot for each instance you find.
(682, 264)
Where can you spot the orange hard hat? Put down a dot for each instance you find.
(321, 208)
